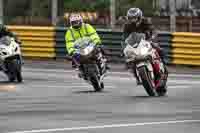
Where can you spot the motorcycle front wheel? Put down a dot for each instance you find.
(98, 87)
(14, 70)
(147, 81)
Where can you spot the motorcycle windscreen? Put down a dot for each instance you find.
(6, 40)
(82, 43)
(84, 46)
(134, 39)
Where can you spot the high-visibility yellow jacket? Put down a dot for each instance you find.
(73, 34)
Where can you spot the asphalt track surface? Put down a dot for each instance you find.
(53, 99)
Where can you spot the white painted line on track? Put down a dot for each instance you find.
(107, 126)
(178, 86)
(184, 82)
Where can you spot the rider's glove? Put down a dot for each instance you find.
(18, 41)
(76, 56)
(99, 47)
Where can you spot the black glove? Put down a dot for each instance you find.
(18, 41)
(76, 56)
(100, 48)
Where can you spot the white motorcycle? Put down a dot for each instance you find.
(10, 58)
(146, 63)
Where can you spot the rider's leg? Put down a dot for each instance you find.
(159, 50)
(161, 54)
(75, 64)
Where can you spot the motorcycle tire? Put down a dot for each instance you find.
(162, 90)
(18, 71)
(95, 83)
(147, 81)
(14, 71)
(19, 76)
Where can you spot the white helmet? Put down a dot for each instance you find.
(76, 20)
(134, 15)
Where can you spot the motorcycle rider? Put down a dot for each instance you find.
(136, 22)
(5, 32)
(79, 29)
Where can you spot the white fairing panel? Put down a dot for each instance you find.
(144, 48)
(8, 50)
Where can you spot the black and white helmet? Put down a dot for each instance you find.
(134, 15)
(2, 28)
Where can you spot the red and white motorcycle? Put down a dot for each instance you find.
(145, 62)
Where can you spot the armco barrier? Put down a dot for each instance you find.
(61, 51)
(110, 40)
(165, 42)
(186, 48)
(112, 44)
(49, 42)
(37, 42)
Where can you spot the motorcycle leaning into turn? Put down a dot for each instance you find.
(10, 58)
(146, 64)
(92, 64)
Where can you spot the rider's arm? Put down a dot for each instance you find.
(126, 31)
(69, 42)
(150, 31)
(93, 34)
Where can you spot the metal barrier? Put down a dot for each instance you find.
(49, 42)
(37, 42)
(165, 42)
(186, 48)
(112, 44)
(60, 46)
(110, 40)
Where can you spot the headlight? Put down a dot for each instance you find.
(129, 53)
(87, 50)
(144, 51)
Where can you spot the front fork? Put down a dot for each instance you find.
(21, 60)
(149, 67)
(3, 64)
(101, 61)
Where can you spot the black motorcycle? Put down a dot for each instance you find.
(92, 64)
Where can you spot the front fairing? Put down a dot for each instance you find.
(8, 47)
(86, 48)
